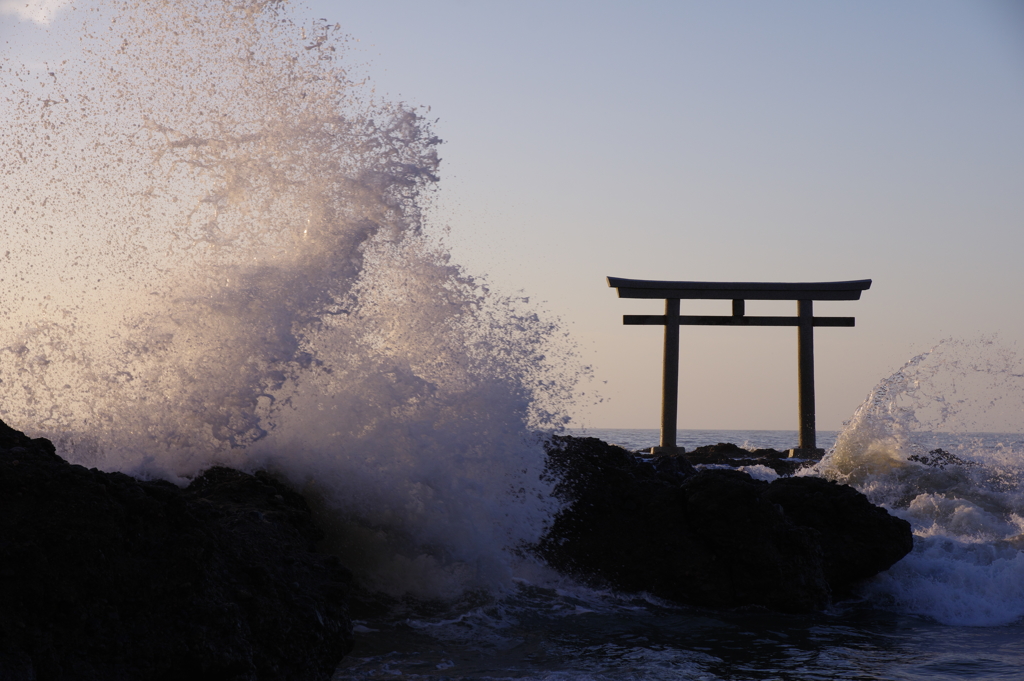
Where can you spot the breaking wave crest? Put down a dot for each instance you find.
(218, 252)
(940, 444)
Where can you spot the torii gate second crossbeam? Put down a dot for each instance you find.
(739, 293)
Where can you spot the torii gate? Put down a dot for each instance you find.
(739, 293)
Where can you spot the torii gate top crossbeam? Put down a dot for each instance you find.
(739, 290)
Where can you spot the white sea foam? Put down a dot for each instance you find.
(760, 472)
(217, 252)
(914, 446)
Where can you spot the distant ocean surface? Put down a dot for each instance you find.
(635, 439)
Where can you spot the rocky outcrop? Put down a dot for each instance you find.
(728, 454)
(712, 537)
(109, 578)
(858, 539)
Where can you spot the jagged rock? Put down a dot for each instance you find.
(713, 537)
(109, 578)
(728, 454)
(858, 539)
(940, 458)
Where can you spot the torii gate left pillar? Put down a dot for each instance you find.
(739, 292)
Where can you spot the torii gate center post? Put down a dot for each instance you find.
(739, 292)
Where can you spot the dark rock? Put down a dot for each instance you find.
(673, 468)
(106, 577)
(728, 454)
(858, 539)
(940, 458)
(714, 537)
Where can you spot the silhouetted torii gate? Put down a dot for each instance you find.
(739, 293)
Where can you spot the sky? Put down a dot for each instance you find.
(704, 141)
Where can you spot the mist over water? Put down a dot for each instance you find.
(217, 252)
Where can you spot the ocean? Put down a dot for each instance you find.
(636, 439)
(219, 251)
(953, 609)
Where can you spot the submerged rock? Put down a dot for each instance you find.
(109, 578)
(713, 537)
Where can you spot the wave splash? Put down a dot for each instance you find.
(218, 253)
(940, 444)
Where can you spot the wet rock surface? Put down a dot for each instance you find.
(106, 577)
(728, 454)
(713, 537)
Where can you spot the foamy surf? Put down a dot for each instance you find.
(914, 448)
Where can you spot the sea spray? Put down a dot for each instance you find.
(939, 443)
(217, 253)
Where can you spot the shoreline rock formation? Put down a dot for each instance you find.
(105, 577)
(714, 537)
(109, 578)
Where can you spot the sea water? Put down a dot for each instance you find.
(952, 609)
(219, 249)
(637, 439)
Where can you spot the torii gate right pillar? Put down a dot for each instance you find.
(805, 373)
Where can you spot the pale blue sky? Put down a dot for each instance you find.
(787, 141)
